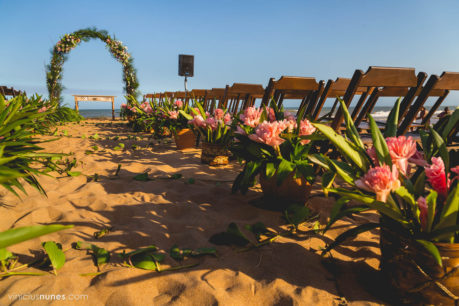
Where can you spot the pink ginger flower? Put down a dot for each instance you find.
(219, 113)
(251, 116)
(436, 176)
(43, 109)
(380, 180)
(271, 114)
(372, 153)
(455, 170)
(418, 159)
(212, 123)
(306, 128)
(173, 114)
(289, 116)
(178, 103)
(423, 209)
(148, 109)
(268, 133)
(123, 105)
(239, 130)
(401, 149)
(227, 119)
(198, 121)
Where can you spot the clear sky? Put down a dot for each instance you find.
(233, 41)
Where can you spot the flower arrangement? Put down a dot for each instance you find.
(67, 43)
(172, 111)
(272, 143)
(118, 50)
(214, 128)
(414, 191)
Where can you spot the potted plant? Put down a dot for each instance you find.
(416, 195)
(215, 131)
(178, 124)
(275, 145)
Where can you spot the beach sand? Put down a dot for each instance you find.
(165, 212)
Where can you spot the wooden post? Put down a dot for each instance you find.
(76, 104)
(113, 108)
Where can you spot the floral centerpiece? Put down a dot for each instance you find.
(178, 124)
(416, 195)
(215, 131)
(276, 145)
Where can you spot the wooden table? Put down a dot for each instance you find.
(95, 98)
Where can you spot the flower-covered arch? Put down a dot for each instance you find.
(69, 42)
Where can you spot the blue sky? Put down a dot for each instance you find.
(233, 41)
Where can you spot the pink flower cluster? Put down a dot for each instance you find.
(146, 107)
(118, 50)
(381, 180)
(67, 43)
(270, 132)
(213, 122)
(173, 114)
(401, 150)
(44, 109)
(436, 176)
(178, 103)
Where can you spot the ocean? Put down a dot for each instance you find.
(380, 113)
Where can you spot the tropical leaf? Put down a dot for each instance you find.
(379, 143)
(392, 121)
(20, 234)
(55, 254)
(351, 233)
(449, 213)
(432, 249)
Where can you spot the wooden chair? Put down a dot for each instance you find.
(241, 95)
(152, 96)
(335, 89)
(435, 87)
(379, 82)
(305, 89)
(198, 95)
(214, 98)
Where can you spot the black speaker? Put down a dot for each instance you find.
(186, 65)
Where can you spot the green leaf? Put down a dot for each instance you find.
(419, 185)
(379, 143)
(4, 253)
(351, 130)
(142, 177)
(297, 214)
(452, 122)
(392, 121)
(449, 213)
(451, 230)
(20, 234)
(344, 146)
(283, 170)
(270, 170)
(73, 173)
(101, 256)
(144, 261)
(55, 254)
(440, 143)
(232, 236)
(431, 201)
(351, 233)
(432, 249)
(327, 179)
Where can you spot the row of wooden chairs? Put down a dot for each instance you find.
(365, 88)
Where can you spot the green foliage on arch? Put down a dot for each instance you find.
(69, 42)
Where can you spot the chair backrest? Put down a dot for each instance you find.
(434, 87)
(152, 96)
(387, 81)
(335, 89)
(214, 98)
(305, 89)
(198, 94)
(242, 95)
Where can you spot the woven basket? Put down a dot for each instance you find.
(292, 189)
(185, 139)
(415, 276)
(214, 154)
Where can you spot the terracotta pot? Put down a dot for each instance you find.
(291, 190)
(185, 139)
(214, 154)
(401, 263)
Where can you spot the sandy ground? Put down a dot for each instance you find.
(165, 212)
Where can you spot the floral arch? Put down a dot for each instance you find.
(69, 42)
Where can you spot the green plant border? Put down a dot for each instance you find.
(69, 42)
